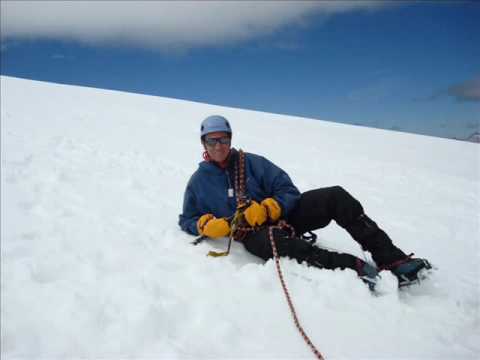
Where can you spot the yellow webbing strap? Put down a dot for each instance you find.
(217, 254)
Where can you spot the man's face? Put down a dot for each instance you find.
(217, 145)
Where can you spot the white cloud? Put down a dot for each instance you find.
(162, 24)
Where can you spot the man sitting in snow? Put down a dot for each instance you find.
(211, 200)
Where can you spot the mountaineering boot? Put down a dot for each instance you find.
(367, 273)
(325, 259)
(409, 270)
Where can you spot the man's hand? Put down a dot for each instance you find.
(255, 214)
(209, 225)
(274, 211)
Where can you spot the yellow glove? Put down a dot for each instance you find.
(212, 227)
(255, 214)
(274, 210)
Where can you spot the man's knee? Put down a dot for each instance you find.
(258, 244)
(295, 248)
(339, 192)
(344, 207)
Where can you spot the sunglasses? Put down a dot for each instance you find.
(224, 140)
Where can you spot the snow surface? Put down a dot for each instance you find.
(94, 264)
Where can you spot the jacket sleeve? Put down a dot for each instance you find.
(277, 184)
(190, 214)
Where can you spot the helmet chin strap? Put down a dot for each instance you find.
(206, 157)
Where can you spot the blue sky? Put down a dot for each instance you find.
(410, 66)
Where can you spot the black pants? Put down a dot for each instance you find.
(315, 210)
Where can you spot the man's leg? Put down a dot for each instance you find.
(258, 243)
(317, 208)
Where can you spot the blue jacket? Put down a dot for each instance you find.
(208, 189)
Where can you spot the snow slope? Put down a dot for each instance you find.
(93, 264)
